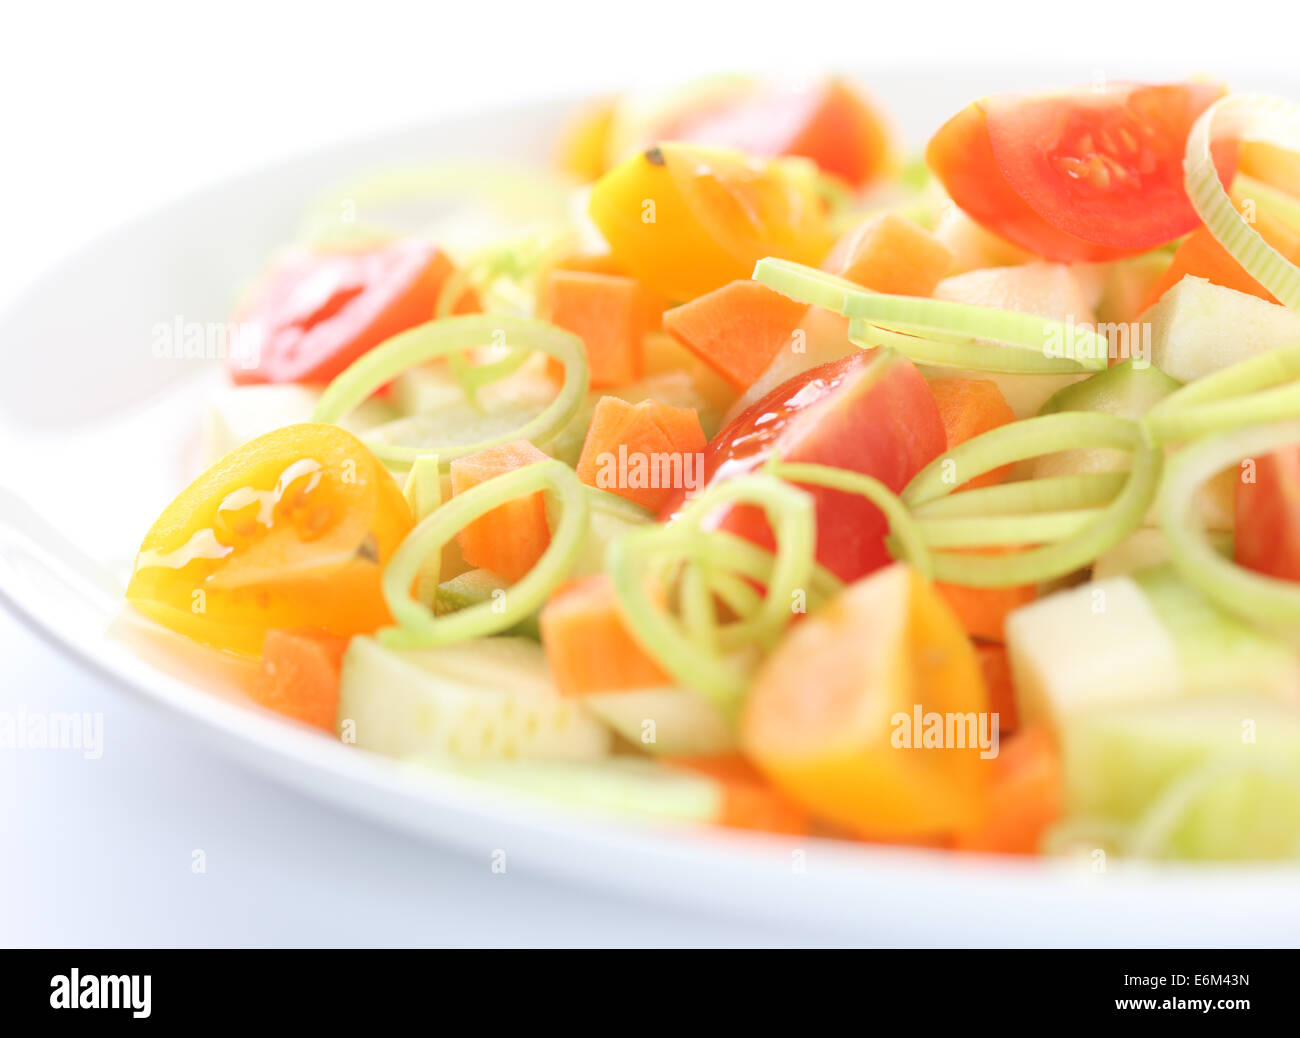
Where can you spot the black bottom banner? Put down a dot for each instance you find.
(166, 988)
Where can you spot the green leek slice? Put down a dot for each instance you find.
(1068, 538)
(949, 334)
(1261, 389)
(447, 337)
(1271, 603)
(1250, 117)
(418, 626)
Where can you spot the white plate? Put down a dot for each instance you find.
(96, 436)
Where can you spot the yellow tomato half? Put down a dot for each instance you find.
(686, 219)
(831, 718)
(290, 530)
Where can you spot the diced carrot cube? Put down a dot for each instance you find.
(996, 667)
(983, 611)
(610, 313)
(736, 329)
(889, 253)
(968, 407)
(642, 452)
(1025, 797)
(511, 538)
(588, 644)
(299, 676)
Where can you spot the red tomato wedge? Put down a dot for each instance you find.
(318, 312)
(1088, 174)
(866, 413)
(1268, 516)
(831, 123)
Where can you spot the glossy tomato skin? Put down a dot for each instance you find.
(1088, 175)
(962, 158)
(291, 530)
(685, 219)
(830, 123)
(868, 412)
(319, 312)
(1268, 516)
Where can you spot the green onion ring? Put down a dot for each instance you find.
(629, 562)
(790, 514)
(737, 594)
(696, 603)
(733, 555)
(1113, 523)
(1048, 494)
(418, 626)
(1268, 601)
(1260, 389)
(753, 623)
(1084, 540)
(1013, 341)
(988, 531)
(1017, 441)
(453, 335)
(950, 351)
(642, 556)
(473, 377)
(1249, 117)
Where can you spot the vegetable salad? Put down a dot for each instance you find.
(739, 469)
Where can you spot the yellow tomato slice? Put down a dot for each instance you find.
(824, 717)
(686, 219)
(290, 530)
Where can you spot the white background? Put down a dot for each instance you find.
(110, 109)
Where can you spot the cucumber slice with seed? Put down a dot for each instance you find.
(490, 698)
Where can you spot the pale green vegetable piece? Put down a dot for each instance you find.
(1198, 328)
(626, 787)
(668, 720)
(491, 698)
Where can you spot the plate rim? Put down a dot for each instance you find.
(237, 728)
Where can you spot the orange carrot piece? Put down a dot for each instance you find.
(889, 253)
(588, 645)
(511, 538)
(983, 611)
(736, 329)
(968, 407)
(299, 676)
(1025, 797)
(610, 313)
(593, 263)
(1201, 255)
(643, 452)
(749, 800)
(995, 664)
